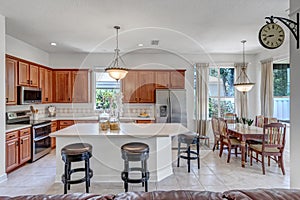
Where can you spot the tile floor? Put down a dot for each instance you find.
(214, 175)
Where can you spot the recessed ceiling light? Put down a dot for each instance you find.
(140, 45)
(53, 44)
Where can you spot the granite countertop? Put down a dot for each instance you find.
(126, 129)
(10, 128)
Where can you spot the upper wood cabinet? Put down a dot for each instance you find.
(139, 87)
(177, 79)
(63, 87)
(162, 79)
(11, 81)
(71, 86)
(46, 84)
(80, 86)
(28, 75)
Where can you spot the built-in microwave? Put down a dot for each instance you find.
(29, 95)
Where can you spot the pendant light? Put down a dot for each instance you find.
(243, 84)
(114, 70)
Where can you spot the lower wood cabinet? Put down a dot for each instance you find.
(65, 123)
(18, 148)
(53, 129)
(144, 121)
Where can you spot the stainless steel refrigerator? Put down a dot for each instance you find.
(171, 106)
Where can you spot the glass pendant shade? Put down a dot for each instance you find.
(243, 84)
(117, 73)
(114, 70)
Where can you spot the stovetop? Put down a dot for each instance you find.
(23, 117)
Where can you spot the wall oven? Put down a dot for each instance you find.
(41, 141)
(40, 130)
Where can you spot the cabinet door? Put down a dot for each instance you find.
(34, 76)
(129, 87)
(23, 74)
(11, 81)
(25, 148)
(53, 129)
(146, 86)
(162, 79)
(177, 79)
(80, 86)
(45, 76)
(63, 86)
(12, 154)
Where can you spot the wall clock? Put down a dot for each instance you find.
(271, 36)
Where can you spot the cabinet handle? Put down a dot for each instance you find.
(6, 100)
(17, 143)
(46, 99)
(28, 81)
(11, 136)
(21, 141)
(26, 132)
(69, 99)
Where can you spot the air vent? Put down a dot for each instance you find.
(154, 42)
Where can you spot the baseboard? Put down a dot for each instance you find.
(3, 177)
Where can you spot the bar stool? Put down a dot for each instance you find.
(75, 153)
(135, 152)
(188, 139)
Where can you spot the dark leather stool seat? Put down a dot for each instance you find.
(75, 153)
(135, 152)
(188, 139)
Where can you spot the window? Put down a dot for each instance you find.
(106, 87)
(281, 91)
(221, 91)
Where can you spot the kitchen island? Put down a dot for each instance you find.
(106, 162)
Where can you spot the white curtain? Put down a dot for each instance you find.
(241, 99)
(266, 88)
(201, 97)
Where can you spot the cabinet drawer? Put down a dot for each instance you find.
(11, 135)
(144, 121)
(25, 131)
(66, 123)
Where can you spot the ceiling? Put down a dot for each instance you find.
(181, 26)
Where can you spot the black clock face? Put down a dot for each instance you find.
(271, 36)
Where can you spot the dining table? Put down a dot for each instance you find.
(244, 133)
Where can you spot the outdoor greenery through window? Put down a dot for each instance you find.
(106, 87)
(281, 91)
(221, 91)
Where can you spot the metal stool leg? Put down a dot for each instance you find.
(198, 153)
(189, 158)
(65, 178)
(87, 175)
(178, 154)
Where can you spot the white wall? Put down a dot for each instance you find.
(295, 102)
(2, 97)
(26, 51)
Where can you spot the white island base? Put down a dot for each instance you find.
(106, 162)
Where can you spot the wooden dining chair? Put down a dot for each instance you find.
(273, 145)
(215, 128)
(230, 118)
(226, 140)
(269, 120)
(260, 121)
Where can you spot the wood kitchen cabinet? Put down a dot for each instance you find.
(139, 87)
(65, 123)
(177, 79)
(28, 74)
(63, 87)
(162, 79)
(18, 148)
(53, 129)
(12, 150)
(173, 79)
(71, 86)
(25, 145)
(11, 81)
(80, 86)
(46, 84)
